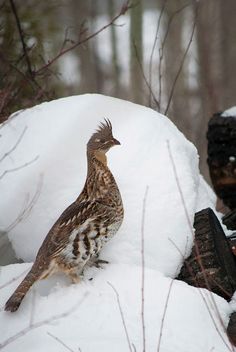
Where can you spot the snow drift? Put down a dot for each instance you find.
(51, 143)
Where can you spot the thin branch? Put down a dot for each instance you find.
(27, 207)
(13, 279)
(126, 6)
(182, 63)
(153, 49)
(19, 167)
(161, 49)
(61, 342)
(14, 146)
(122, 316)
(22, 39)
(143, 269)
(38, 324)
(144, 76)
(164, 315)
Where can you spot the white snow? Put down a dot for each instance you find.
(57, 133)
(229, 112)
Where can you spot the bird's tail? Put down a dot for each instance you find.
(15, 300)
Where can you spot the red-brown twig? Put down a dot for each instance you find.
(122, 316)
(143, 270)
(164, 315)
(153, 49)
(126, 6)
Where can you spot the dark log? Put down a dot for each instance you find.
(211, 248)
(221, 137)
(229, 220)
(231, 329)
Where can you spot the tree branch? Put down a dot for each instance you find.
(126, 6)
(182, 63)
(153, 48)
(22, 39)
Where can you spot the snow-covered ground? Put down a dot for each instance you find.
(52, 140)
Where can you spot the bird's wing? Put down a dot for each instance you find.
(74, 218)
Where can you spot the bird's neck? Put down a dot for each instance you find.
(94, 158)
(101, 157)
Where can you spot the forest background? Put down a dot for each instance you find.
(176, 56)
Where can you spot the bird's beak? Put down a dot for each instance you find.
(116, 142)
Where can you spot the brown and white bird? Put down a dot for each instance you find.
(77, 237)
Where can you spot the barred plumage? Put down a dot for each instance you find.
(77, 237)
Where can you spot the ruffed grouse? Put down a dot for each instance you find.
(85, 226)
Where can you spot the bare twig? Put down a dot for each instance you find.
(122, 316)
(13, 279)
(161, 49)
(38, 324)
(164, 315)
(14, 146)
(153, 49)
(143, 269)
(126, 6)
(22, 39)
(27, 207)
(182, 63)
(144, 76)
(61, 342)
(19, 167)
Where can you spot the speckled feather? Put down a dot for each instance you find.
(85, 226)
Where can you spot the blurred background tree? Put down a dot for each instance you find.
(176, 56)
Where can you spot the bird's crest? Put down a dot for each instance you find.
(105, 127)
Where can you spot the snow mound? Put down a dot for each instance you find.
(56, 133)
(93, 321)
(50, 139)
(229, 112)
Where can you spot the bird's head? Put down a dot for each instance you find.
(102, 140)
